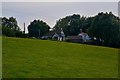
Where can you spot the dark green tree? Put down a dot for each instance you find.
(71, 24)
(10, 27)
(105, 27)
(37, 28)
(86, 23)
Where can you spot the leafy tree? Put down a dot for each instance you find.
(10, 27)
(86, 23)
(105, 27)
(71, 24)
(37, 28)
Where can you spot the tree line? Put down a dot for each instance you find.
(10, 27)
(103, 28)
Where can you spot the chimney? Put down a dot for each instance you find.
(80, 30)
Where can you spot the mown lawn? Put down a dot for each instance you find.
(0, 57)
(31, 58)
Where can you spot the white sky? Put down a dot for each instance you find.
(59, 0)
(52, 11)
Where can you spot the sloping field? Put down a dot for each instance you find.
(32, 58)
(0, 57)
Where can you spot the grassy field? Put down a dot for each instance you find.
(0, 57)
(31, 58)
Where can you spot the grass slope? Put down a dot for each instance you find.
(0, 57)
(28, 58)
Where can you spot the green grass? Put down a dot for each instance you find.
(31, 58)
(0, 57)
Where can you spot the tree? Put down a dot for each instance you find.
(86, 23)
(37, 28)
(71, 24)
(105, 27)
(10, 27)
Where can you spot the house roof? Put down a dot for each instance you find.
(74, 37)
(51, 33)
(84, 34)
(58, 32)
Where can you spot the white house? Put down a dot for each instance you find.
(84, 36)
(55, 34)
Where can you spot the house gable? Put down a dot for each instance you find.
(57, 34)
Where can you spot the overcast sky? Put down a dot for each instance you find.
(52, 11)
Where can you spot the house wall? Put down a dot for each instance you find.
(84, 36)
